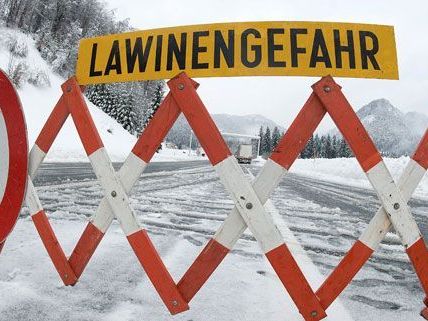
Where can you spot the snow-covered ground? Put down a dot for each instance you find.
(181, 210)
(39, 102)
(347, 171)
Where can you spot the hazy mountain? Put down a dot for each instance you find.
(393, 132)
(245, 125)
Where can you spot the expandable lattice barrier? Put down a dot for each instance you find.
(248, 198)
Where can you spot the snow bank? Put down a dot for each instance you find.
(347, 171)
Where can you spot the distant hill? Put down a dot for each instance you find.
(393, 132)
(245, 125)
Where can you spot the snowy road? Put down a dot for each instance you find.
(182, 204)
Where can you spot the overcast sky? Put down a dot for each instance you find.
(280, 98)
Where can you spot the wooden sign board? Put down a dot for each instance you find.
(241, 49)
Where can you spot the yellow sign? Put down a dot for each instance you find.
(241, 49)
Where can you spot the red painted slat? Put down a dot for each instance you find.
(83, 121)
(418, 254)
(343, 274)
(201, 269)
(346, 120)
(85, 248)
(53, 125)
(54, 249)
(157, 272)
(421, 154)
(295, 282)
(199, 119)
(299, 132)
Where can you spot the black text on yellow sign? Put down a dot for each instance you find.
(241, 49)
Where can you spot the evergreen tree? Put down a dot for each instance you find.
(323, 153)
(276, 137)
(261, 143)
(329, 151)
(335, 146)
(309, 150)
(317, 146)
(344, 150)
(156, 101)
(267, 142)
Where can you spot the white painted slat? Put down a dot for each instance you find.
(35, 159)
(248, 204)
(129, 173)
(394, 204)
(410, 178)
(380, 223)
(32, 199)
(114, 191)
(264, 184)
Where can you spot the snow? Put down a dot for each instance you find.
(347, 171)
(38, 103)
(180, 219)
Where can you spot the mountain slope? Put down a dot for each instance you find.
(393, 132)
(245, 125)
(39, 102)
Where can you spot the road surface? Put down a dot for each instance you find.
(186, 199)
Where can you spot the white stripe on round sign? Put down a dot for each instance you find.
(4, 155)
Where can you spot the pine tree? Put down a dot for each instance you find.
(309, 150)
(155, 103)
(261, 135)
(317, 146)
(276, 136)
(267, 142)
(329, 152)
(335, 146)
(323, 153)
(344, 150)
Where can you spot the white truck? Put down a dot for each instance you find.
(244, 154)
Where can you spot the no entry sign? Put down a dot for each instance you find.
(241, 49)
(13, 156)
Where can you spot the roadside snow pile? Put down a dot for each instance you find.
(19, 54)
(347, 171)
(169, 155)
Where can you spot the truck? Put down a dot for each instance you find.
(244, 154)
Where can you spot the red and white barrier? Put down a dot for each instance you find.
(115, 203)
(13, 157)
(249, 198)
(327, 97)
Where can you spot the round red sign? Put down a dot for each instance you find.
(13, 156)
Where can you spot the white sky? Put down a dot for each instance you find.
(280, 98)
